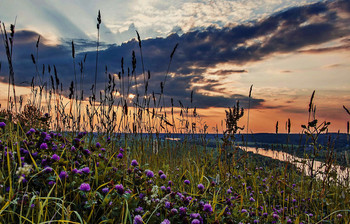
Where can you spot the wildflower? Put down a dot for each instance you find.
(55, 157)
(142, 195)
(251, 199)
(183, 210)
(22, 179)
(48, 169)
(2, 124)
(51, 182)
(75, 170)
(43, 146)
(163, 176)
(138, 220)
(256, 221)
(207, 208)
(167, 205)
(289, 221)
(63, 175)
(195, 215)
(170, 183)
(103, 149)
(23, 151)
(47, 138)
(275, 216)
(121, 149)
(163, 188)
(32, 130)
(134, 163)
(244, 211)
(120, 156)
(98, 145)
(229, 191)
(25, 170)
(85, 187)
(187, 182)
(195, 221)
(150, 174)
(105, 190)
(160, 172)
(86, 151)
(139, 209)
(174, 210)
(339, 216)
(119, 188)
(86, 170)
(73, 149)
(165, 221)
(200, 187)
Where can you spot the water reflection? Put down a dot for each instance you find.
(304, 164)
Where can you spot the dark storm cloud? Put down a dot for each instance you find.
(286, 31)
(326, 49)
(228, 72)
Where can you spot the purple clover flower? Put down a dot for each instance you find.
(119, 188)
(207, 208)
(139, 209)
(120, 156)
(195, 215)
(165, 221)
(55, 157)
(98, 145)
(195, 221)
(2, 124)
(134, 163)
(275, 216)
(138, 220)
(43, 146)
(105, 190)
(85, 187)
(85, 170)
(183, 210)
(86, 151)
(200, 187)
(163, 176)
(150, 174)
(167, 205)
(174, 211)
(48, 169)
(187, 182)
(63, 175)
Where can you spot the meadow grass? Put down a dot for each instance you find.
(59, 166)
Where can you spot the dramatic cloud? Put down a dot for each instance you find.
(288, 31)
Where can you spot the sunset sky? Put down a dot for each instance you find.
(284, 48)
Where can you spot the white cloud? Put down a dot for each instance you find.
(77, 19)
